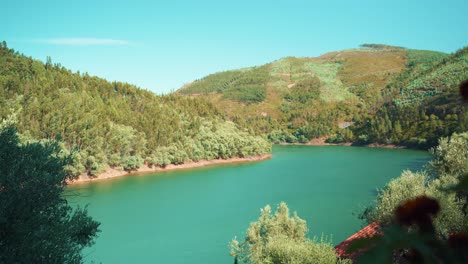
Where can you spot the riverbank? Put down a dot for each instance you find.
(111, 173)
(321, 142)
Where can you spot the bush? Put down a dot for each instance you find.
(280, 238)
(411, 185)
(450, 157)
(277, 136)
(403, 188)
(132, 163)
(344, 135)
(451, 218)
(159, 158)
(93, 167)
(114, 160)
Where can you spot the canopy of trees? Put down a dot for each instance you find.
(114, 124)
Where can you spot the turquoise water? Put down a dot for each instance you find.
(190, 216)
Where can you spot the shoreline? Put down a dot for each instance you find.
(112, 173)
(321, 142)
(345, 144)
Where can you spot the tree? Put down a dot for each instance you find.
(423, 219)
(36, 223)
(411, 185)
(111, 124)
(280, 238)
(48, 62)
(451, 155)
(405, 187)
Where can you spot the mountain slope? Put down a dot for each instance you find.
(300, 99)
(113, 124)
(426, 104)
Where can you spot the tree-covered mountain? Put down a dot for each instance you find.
(112, 123)
(376, 93)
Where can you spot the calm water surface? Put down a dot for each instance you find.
(190, 216)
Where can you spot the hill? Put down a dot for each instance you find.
(335, 95)
(113, 124)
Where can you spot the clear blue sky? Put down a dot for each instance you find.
(160, 46)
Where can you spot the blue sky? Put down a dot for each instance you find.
(161, 45)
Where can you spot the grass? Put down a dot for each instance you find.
(332, 89)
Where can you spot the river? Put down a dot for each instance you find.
(190, 216)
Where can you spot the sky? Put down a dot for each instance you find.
(162, 45)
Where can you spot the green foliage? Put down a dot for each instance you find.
(240, 80)
(246, 94)
(345, 135)
(450, 157)
(212, 83)
(278, 136)
(392, 94)
(449, 164)
(429, 74)
(304, 91)
(132, 163)
(410, 185)
(280, 238)
(403, 188)
(452, 216)
(113, 124)
(36, 223)
(424, 59)
(160, 157)
(417, 126)
(424, 220)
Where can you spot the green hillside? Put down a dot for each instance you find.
(113, 124)
(426, 102)
(303, 99)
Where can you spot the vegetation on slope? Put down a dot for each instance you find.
(382, 90)
(114, 124)
(426, 104)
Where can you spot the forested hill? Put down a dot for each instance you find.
(374, 94)
(113, 124)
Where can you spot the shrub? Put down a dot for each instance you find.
(405, 187)
(410, 185)
(450, 157)
(132, 163)
(280, 238)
